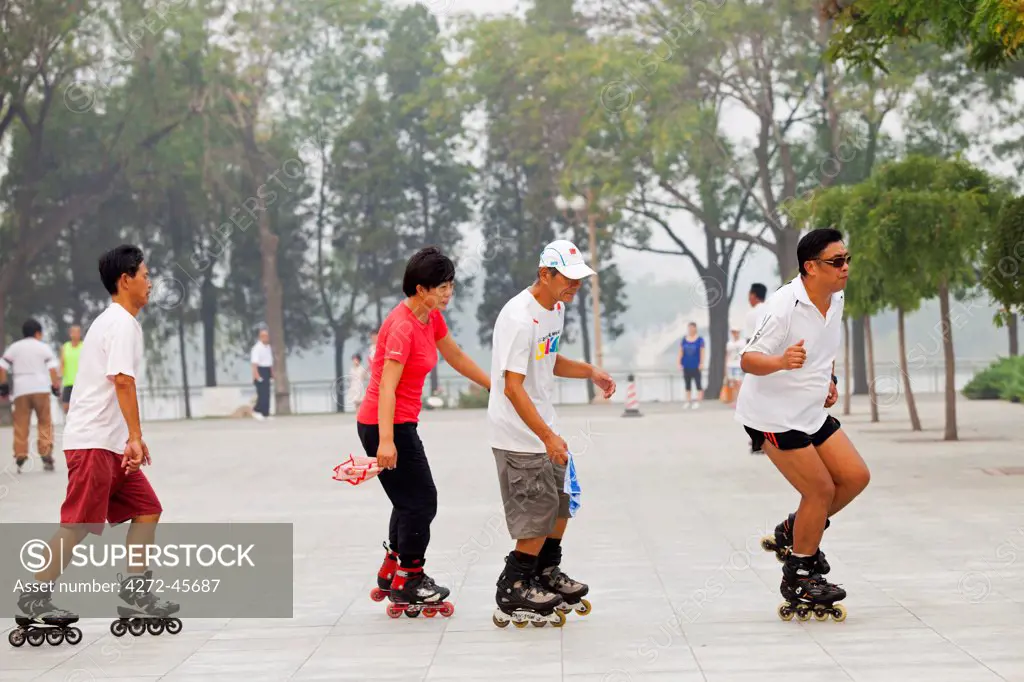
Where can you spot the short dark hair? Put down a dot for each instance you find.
(691, 324)
(357, 356)
(759, 291)
(814, 243)
(31, 327)
(122, 260)
(427, 268)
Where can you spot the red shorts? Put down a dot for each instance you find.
(100, 491)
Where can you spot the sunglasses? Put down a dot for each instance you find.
(838, 261)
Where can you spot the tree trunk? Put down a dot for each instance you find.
(947, 351)
(183, 352)
(208, 312)
(718, 335)
(785, 254)
(275, 313)
(872, 395)
(3, 319)
(915, 421)
(582, 299)
(342, 379)
(860, 362)
(1011, 328)
(846, 365)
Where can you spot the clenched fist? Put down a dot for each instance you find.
(794, 356)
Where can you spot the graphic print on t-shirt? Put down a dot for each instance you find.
(548, 345)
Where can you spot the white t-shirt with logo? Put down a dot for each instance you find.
(525, 341)
(113, 345)
(29, 362)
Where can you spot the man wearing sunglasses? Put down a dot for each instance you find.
(790, 384)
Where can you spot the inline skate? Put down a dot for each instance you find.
(414, 592)
(522, 599)
(553, 579)
(807, 593)
(42, 621)
(782, 544)
(385, 575)
(144, 612)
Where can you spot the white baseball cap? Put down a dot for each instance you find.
(563, 255)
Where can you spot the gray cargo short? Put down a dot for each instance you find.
(531, 491)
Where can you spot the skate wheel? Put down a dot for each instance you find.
(412, 613)
(54, 636)
(768, 543)
(785, 611)
(118, 628)
(494, 619)
(538, 623)
(838, 613)
(155, 627)
(584, 608)
(36, 637)
(137, 627)
(803, 615)
(447, 610)
(520, 623)
(394, 611)
(377, 594)
(16, 637)
(73, 636)
(173, 626)
(430, 613)
(820, 614)
(561, 620)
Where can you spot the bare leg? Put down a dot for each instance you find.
(61, 544)
(559, 530)
(806, 472)
(849, 473)
(141, 532)
(531, 546)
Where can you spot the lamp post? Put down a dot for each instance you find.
(593, 210)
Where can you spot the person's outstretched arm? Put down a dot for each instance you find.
(574, 369)
(462, 363)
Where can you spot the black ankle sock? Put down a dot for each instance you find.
(524, 558)
(551, 546)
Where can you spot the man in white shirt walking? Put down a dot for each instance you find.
(262, 360)
(104, 449)
(33, 367)
(530, 454)
(790, 383)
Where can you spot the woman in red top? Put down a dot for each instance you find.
(406, 352)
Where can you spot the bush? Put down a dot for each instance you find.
(1002, 380)
(475, 398)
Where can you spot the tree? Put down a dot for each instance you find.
(1002, 266)
(992, 30)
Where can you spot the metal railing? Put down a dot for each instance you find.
(319, 397)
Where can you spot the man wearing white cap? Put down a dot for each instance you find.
(530, 455)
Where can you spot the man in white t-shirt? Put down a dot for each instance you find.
(262, 359)
(790, 384)
(103, 445)
(33, 367)
(756, 297)
(530, 454)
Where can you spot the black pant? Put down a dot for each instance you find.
(263, 392)
(410, 487)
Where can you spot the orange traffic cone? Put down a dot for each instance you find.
(632, 401)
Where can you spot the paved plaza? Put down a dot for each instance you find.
(932, 556)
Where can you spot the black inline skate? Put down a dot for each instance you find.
(144, 611)
(48, 463)
(807, 593)
(522, 599)
(42, 621)
(385, 575)
(552, 579)
(782, 544)
(414, 592)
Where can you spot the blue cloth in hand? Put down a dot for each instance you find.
(571, 487)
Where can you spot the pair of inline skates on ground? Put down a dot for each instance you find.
(804, 586)
(141, 612)
(541, 594)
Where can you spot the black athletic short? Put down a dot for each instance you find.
(66, 397)
(691, 375)
(793, 440)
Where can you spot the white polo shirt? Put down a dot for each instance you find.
(751, 322)
(29, 362)
(792, 400)
(261, 355)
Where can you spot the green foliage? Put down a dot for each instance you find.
(1004, 259)
(473, 399)
(1002, 380)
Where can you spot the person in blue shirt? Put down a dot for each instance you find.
(691, 359)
